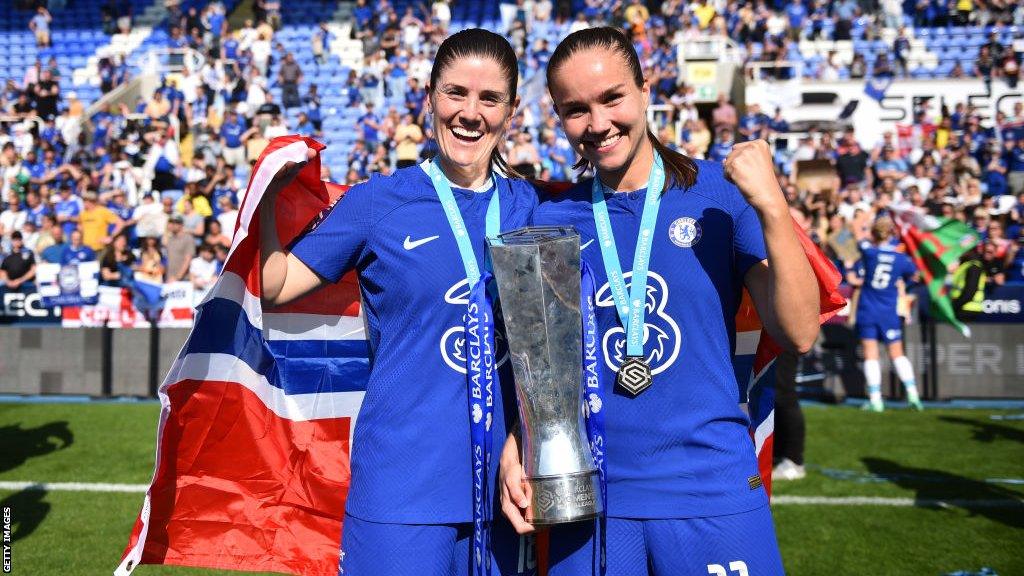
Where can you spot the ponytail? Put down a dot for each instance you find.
(499, 163)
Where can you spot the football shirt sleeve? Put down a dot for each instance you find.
(747, 241)
(334, 245)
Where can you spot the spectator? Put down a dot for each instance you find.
(852, 166)
(45, 95)
(370, 124)
(724, 115)
(319, 43)
(192, 221)
(312, 102)
(890, 166)
(117, 262)
(11, 219)
(180, 247)
(162, 160)
(67, 209)
(40, 26)
(754, 124)
(984, 66)
(523, 156)
(289, 76)
(901, 51)
(228, 214)
(231, 131)
(215, 234)
(149, 218)
(151, 261)
(408, 136)
(49, 234)
(19, 266)
(1015, 167)
(76, 252)
(98, 223)
(202, 270)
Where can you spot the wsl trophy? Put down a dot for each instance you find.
(538, 274)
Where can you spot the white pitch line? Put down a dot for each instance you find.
(897, 502)
(776, 501)
(74, 487)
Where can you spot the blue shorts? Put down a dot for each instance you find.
(887, 330)
(733, 545)
(379, 549)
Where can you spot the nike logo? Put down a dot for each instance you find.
(409, 243)
(585, 244)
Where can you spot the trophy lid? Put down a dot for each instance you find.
(533, 235)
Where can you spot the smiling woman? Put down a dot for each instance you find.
(683, 491)
(418, 500)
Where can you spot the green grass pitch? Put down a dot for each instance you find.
(939, 455)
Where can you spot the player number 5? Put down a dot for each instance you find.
(882, 276)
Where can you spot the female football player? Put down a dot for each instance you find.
(416, 239)
(877, 274)
(672, 242)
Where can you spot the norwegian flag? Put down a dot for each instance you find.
(258, 409)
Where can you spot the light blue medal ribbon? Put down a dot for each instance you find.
(481, 378)
(593, 393)
(631, 308)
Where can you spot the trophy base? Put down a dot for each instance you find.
(563, 499)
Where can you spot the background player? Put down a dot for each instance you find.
(877, 274)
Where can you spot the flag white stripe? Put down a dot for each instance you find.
(763, 431)
(295, 407)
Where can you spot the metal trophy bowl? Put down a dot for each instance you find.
(538, 274)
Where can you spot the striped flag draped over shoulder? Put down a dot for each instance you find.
(257, 410)
(754, 359)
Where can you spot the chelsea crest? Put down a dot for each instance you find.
(684, 232)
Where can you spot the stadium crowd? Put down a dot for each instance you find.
(152, 189)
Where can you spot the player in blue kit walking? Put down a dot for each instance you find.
(683, 491)
(877, 274)
(418, 501)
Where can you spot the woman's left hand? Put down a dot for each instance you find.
(749, 166)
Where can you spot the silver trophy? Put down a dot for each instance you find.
(538, 274)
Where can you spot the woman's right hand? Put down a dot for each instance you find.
(285, 175)
(515, 490)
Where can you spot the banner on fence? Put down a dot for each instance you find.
(75, 284)
(114, 309)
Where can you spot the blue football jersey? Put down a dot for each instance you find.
(881, 267)
(681, 448)
(411, 458)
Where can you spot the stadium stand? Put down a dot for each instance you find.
(145, 88)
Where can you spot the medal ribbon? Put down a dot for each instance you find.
(631, 309)
(593, 390)
(480, 376)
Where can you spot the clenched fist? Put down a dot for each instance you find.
(749, 166)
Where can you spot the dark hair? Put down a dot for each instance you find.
(680, 170)
(484, 44)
